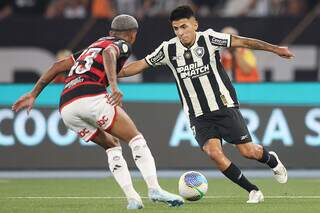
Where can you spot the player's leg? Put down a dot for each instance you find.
(259, 153)
(118, 167)
(114, 120)
(208, 131)
(124, 129)
(84, 123)
(214, 150)
(241, 137)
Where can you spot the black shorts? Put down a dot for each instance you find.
(226, 123)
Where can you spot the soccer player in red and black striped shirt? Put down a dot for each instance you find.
(89, 110)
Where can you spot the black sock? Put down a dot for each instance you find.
(268, 159)
(236, 176)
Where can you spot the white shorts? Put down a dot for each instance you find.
(88, 114)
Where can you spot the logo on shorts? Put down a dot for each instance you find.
(243, 137)
(83, 132)
(102, 121)
(193, 128)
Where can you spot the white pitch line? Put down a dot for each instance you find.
(207, 197)
(71, 197)
(271, 197)
(294, 197)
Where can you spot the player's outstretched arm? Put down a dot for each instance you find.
(27, 100)
(133, 68)
(238, 41)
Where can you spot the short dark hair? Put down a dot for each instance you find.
(181, 12)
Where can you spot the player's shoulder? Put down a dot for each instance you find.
(208, 31)
(168, 42)
(106, 38)
(111, 39)
(173, 40)
(101, 42)
(119, 41)
(124, 47)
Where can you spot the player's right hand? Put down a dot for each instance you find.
(25, 101)
(116, 97)
(284, 52)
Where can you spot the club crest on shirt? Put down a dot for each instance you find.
(199, 51)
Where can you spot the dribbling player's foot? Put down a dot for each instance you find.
(255, 197)
(160, 195)
(134, 204)
(279, 172)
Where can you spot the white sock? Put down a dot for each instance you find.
(118, 167)
(144, 161)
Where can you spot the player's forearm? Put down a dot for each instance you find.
(109, 62)
(48, 76)
(133, 68)
(37, 89)
(251, 43)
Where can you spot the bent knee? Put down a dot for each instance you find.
(214, 154)
(249, 152)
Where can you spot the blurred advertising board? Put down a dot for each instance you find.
(283, 117)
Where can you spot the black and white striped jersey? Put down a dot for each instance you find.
(202, 83)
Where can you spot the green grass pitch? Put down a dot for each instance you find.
(104, 195)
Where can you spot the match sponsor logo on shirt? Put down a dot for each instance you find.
(193, 70)
(73, 82)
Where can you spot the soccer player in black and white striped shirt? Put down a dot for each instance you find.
(207, 95)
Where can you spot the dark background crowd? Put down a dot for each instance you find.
(153, 8)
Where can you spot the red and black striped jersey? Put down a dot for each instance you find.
(87, 77)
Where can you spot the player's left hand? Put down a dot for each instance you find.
(116, 97)
(25, 101)
(284, 52)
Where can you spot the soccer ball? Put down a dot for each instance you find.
(193, 185)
